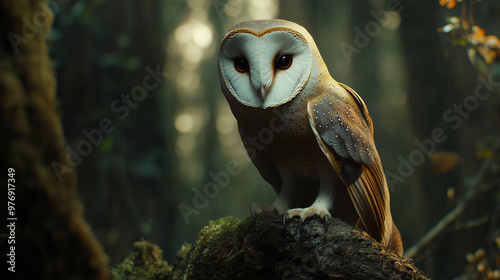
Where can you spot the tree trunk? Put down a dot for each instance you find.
(48, 237)
(265, 249)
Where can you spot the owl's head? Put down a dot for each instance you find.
(265, 63)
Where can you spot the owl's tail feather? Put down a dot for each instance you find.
(395, 242)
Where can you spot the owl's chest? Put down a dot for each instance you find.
(284, 136)
(297, 151)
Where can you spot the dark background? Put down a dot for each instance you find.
(166, 143)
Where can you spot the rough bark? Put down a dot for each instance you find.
(265, 249)
(52, 239)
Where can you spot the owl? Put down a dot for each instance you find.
(309, 136)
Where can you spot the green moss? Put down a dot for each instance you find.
(217, 230)
(145, 262)
(219, 242)
(182, 261)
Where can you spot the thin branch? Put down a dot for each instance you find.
(457, 211)
(471, 12)
(472, 224)
(464, 19)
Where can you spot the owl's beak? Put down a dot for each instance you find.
(263, 93)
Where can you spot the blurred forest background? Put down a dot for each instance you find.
(149, 68)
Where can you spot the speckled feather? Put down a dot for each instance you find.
(343, 128)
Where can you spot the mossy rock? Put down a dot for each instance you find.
(265, 249)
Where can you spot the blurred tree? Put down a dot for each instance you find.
(109, 56)
(440, 78)
(48, 236)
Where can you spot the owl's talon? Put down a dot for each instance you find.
(258, 208)
(284, 221)
(252, 213)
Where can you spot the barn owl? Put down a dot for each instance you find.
(308, 135)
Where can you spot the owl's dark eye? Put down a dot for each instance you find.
(284, 61)
(241, 64)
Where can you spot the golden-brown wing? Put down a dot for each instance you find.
(343, 128)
